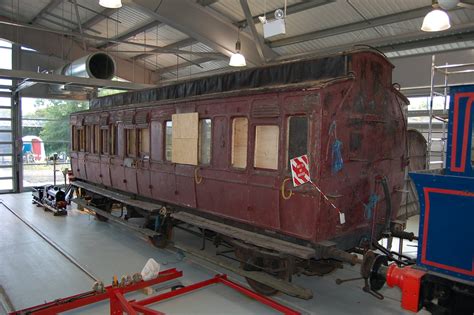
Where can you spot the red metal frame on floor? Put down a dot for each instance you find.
(119, 304)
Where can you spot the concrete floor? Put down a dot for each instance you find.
(32, 272)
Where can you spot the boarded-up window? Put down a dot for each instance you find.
(205, 131)
(104, 141)
(239, 142)
(96, 139)
(266, 147)
(297, 141)
(144, 143)
(168, 140)
(185, 138)
(131, 136)
(113, 140)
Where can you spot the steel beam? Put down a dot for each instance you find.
(183, 65)
(352, 27)
(400, 42)
(292, 9)
(256, 37)
(129, 34)
(177, 45)
(203, 25)
(69, 80)
(205, 3)
(49, 7)
(104, 14)
(40, 40)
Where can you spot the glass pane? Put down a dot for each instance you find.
(5, 149)
(144, 143)
(131, 142)
(205, 130)
(5, 62)
(5, 113)
(266, 147)
(6, 172)
(239, 142)
(5, 160)
(5, 101)
(6, 184)
(5, 136)
(5, 125)
(297, 136)
(169, 140)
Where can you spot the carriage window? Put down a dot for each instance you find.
(239, 142)
(205, 130)
(168, 140)
(113, 140)
(131, 136)
(104, 138)
(81, 139)
(297, 141)
(96, 139)
(89, 138)
(75, 138)
(266, 147)
(144, 143)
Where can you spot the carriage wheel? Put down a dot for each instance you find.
(276, 267)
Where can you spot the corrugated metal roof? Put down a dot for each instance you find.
(129, 18)
(20, 10)
(333, 14)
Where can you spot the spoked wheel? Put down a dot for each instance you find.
(277, 267)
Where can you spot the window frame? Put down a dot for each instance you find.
(288, 119)
(232, 119)
(254, 130)
(139, 143)
(200, 142)
(128, 132)
(165, 140)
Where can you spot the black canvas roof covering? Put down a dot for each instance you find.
(278, 74)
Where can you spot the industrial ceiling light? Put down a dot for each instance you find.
(436, 21)
(237, 59)
(111, 4)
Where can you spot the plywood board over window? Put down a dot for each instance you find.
(266, 147)
(185, 138)
(239, 142)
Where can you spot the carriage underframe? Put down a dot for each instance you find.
(268, 263)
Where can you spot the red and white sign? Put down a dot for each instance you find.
(300, 170)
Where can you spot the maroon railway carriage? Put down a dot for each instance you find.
(214, 152)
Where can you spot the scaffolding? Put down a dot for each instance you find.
(446, 70)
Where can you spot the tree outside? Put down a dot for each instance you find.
(54, 129)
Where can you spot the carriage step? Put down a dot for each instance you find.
(247, 236)
(123, 198)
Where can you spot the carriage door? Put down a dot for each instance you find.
(142, 123)
(264, 177)
(106, 137)
(131, 160)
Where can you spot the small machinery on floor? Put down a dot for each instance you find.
(53, 197)
(442, 280)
